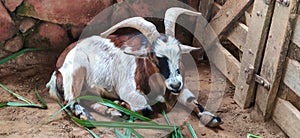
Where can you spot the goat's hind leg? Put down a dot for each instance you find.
(188, 99)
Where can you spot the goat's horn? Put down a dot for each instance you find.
(146, 28)
(171, 16)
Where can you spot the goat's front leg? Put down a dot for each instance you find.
(136, 100)
(188, 99)
(73, 83)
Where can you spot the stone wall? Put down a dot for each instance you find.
(54, 24)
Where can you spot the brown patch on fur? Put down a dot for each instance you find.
(144, 69)
(62, 56)
(135, 41)
(78, 80)
(59, 84)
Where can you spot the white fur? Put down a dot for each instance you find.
(171, 50)
(108, 72)
(52, 86)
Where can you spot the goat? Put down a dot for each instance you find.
(117, 71)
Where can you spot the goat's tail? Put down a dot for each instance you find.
(52, 87)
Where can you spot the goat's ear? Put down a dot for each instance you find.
(137, 53)
(187, 49)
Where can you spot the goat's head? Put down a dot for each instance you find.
(164, 50)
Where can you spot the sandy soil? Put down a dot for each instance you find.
(32, 122)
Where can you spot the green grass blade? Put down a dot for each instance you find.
(252, 136)
(110, 124)
(176, 133)
(129, 130)
(22, 104)
(3, 104)
(119, 134)
(44, 105)
(16, 95)
(192, 131)
(115, 106)
(63, 108)
(179, 133)
(137, 134)
(92, 133)
(166, 117)
(16, 104)
(2, 61)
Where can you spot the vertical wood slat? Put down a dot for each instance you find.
(253, 49)
(274, 56)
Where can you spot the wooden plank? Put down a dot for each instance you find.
(238, 35)
(247, 17)
(215, 52)
(292, 76)
(287, 117)
(274, 56)
(252, 51)
(294, 52)
(206, 8)
(287, 94)
(216, 8)
(225, 62)
(296, 35)
(228, 14)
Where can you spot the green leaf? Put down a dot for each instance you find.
(16, 95)
(92, 133)
(129, 130)
(137, 134)
(23, 104)
(109, 104)
(3, 104)
(2, 61)
(44, 105)
(111, 124)
(252, 136)
(166, 117)
(192, 131)
(119, 134)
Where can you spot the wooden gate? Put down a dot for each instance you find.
(266, 68)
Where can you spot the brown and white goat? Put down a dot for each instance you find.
(99, 65)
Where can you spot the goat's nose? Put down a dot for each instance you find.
(176, 86)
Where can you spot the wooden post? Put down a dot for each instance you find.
(253, 49)
(276, 49)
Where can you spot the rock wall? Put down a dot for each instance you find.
(54, 24)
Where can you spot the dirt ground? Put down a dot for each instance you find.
(32, 122)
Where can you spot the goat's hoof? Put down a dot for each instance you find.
(210, 120)
(112, 112)
(82, 113)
